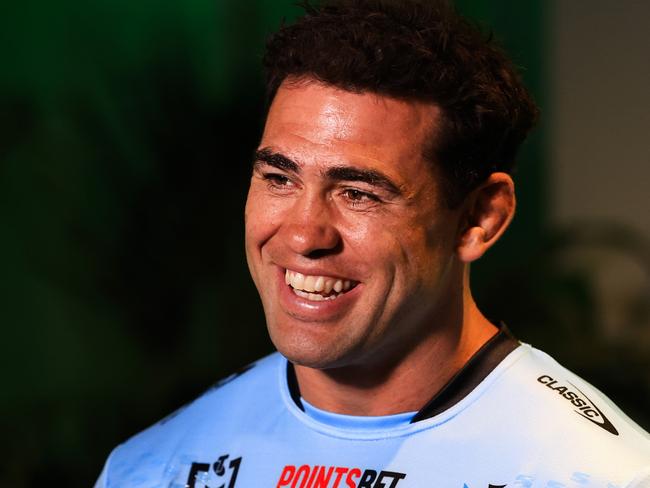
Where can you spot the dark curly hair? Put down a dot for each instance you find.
(415, 50)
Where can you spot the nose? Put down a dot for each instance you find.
(310, 229)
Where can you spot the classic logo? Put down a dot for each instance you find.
(307, 476)
(584, 406)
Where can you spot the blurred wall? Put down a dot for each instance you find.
(599, 197)
(599, 78)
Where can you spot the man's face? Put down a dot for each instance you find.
(348, 239)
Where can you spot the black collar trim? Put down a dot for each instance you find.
(481, 364)
(292, 382)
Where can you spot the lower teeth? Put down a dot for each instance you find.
(313, 296)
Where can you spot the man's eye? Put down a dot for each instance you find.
(358, 197)
(277, 180)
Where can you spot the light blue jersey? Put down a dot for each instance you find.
(529, 423)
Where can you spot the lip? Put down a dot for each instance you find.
(311, 311)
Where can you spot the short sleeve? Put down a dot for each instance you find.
(102, 481)
(641, 480)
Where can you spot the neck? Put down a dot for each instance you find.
(407, 383)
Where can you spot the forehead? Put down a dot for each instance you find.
(323, 121)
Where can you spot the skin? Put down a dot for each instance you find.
(392, 235)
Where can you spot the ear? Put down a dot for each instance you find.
(488, 210)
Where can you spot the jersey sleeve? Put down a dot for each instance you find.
(102, 481)
(642, 480)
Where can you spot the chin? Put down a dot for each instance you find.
(307, 351)
(308, 355)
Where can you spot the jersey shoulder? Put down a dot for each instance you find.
(567, 415)
(227, 408)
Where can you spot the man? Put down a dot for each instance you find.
(382, 173)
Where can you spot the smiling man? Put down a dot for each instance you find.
(382, 173)
(358, 258)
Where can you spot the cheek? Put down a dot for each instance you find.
(378, 245)
(409, 253)
(262, 216)
(260, 225)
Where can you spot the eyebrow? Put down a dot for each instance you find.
(277, 160)
(337, 173)
(369, 176)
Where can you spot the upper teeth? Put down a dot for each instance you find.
(318, 284)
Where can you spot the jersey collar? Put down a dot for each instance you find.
(475, 370)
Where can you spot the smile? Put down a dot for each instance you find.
(317, 288)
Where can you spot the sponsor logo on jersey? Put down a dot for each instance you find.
(222, 471)
(583, 405)
(308, 476)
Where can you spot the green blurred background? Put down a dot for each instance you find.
(126, 131)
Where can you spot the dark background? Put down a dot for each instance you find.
(126, 131)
